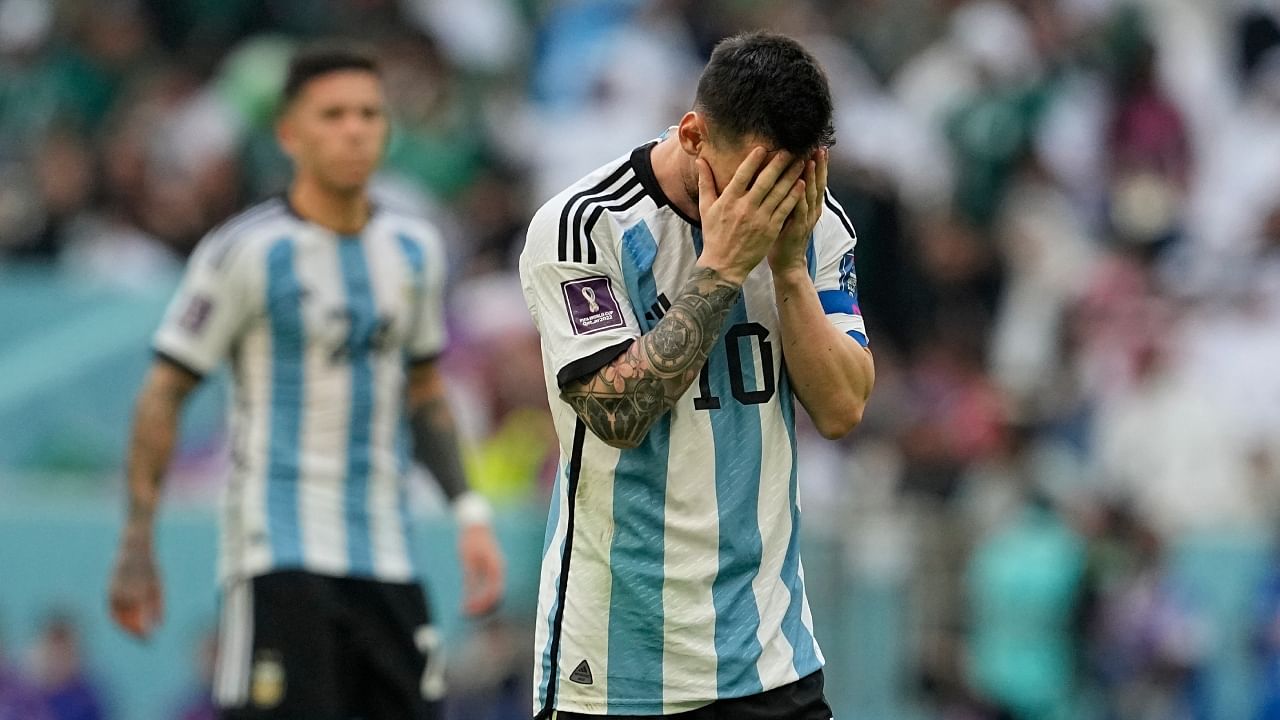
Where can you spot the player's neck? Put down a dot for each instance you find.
(669, 165)
(343, 213)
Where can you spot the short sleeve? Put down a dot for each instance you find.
(835, 276)
(210, 308)
(580, 307)
(428, 333)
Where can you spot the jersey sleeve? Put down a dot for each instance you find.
(580, 306)
(835, 277)
(211, 307)
(429, 333)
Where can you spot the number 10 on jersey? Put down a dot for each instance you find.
(733, 357)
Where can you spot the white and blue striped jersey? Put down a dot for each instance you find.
(319, 330)
(671, 572)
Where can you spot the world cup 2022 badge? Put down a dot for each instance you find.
(268, 680)
(592, 306)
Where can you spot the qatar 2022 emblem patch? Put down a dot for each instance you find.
(592, 306)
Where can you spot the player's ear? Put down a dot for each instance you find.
(285, 134)
(692, 133)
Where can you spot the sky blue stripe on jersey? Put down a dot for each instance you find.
(362, 314)
(837, 302)
(553, 522)
(636, 553)
(636, 558)
(639, 249)
(736, 435)
(413, 255)
(288, 346)
(804, 652)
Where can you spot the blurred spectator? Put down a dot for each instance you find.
(488, 678)
(1024, 586)
(61, 675)
(1146, 645)
(19, 699)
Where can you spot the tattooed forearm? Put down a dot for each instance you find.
(435, 445)
(621, 401)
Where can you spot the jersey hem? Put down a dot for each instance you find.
(660, 707)
(635, 707)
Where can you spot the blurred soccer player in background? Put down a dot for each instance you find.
(685, 294)
(329, 309)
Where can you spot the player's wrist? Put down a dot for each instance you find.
(726, 271)
(790, 275)
(140, 522)
(471, 508)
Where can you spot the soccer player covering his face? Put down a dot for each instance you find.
(329, 309)
(688, 294)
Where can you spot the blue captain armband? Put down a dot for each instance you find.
(838, 302)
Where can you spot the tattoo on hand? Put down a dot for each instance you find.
(621, 401)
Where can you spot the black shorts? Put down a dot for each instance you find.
(801, 700)
(301, 646)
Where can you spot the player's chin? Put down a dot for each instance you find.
(349, 181)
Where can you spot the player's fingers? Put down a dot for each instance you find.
(812, 196)
(130, 620)
(483, 595)
(707, 194)
(770, 177)
(783, 187)
(788, 203)
(742, 177)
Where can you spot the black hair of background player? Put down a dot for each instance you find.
(311, 63)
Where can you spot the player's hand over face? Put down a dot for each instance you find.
(789, 253)
(136, 596)
(482, 569)
(742, 223)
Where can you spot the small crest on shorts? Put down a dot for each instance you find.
(582, 674)
(268, 681)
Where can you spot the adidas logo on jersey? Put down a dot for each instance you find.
(582, 674)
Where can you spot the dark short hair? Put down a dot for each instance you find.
(767, 85)
(310, 64)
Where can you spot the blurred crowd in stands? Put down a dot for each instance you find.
(1069, 260)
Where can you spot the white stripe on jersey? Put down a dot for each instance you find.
(689, 654)
(587, 611)
(386, 499)
(325, 419)
(774, 512)
(235, 645)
